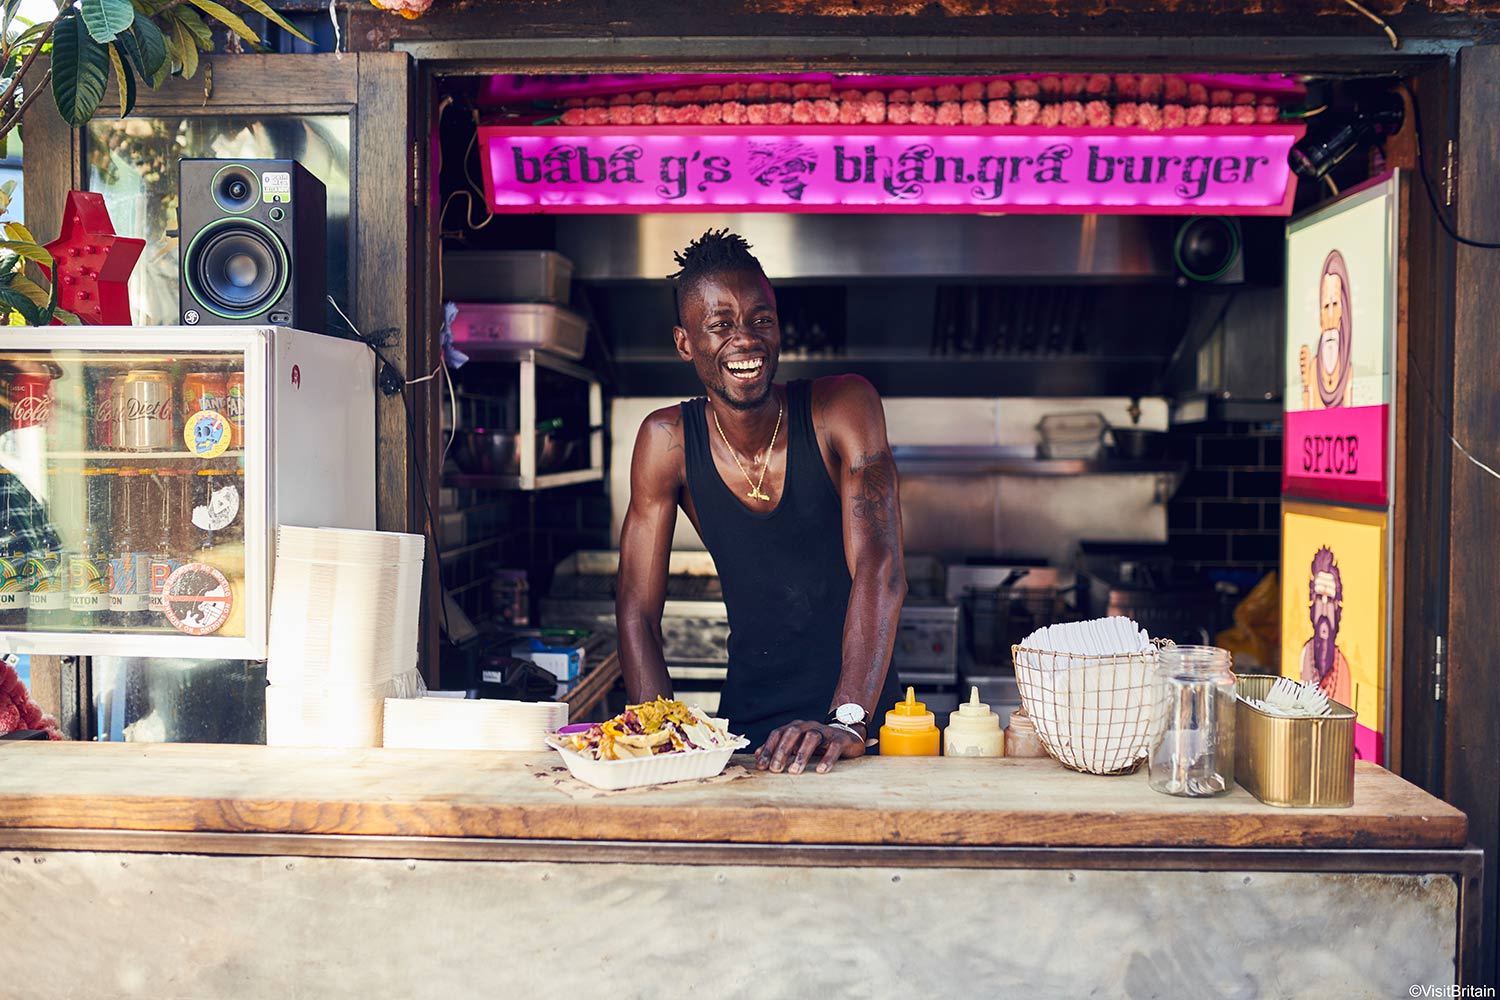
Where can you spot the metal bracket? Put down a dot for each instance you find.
(1438, 689)
(1448, 180)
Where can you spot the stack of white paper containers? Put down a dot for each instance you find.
(457, 724)
(344, 611)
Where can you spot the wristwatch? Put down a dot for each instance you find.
(849, 713)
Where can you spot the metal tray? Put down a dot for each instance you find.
(520, 325)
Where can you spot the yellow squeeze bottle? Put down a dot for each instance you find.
(910, 730)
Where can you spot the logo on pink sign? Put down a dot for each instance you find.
(1182, 171)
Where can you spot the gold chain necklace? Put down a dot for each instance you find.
(755, 493)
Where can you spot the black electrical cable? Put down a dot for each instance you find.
(390, 375)
(1416, 120)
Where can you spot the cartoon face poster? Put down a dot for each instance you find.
(1340, 322)
(1333, 611)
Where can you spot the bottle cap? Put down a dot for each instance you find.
(910, 715)
(974, 714)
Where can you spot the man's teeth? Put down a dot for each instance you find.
(747, 368)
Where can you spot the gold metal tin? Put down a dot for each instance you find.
(1299, 762)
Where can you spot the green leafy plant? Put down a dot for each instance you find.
(135, 41)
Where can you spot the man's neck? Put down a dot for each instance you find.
(749, 431)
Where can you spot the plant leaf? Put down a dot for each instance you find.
(21, 304)
(28, 250)
(201, 33)
(187, 48)
(68, 319)
(124, 77)
(80, 70)
(30, 34)
(228, 19)
(38, 295)
(16, 231)
(106, 18)
(148, 39)
(264, 10)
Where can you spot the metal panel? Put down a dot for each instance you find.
(882, 246)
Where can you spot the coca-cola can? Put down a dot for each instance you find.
(144, 412)
(30, 400)
(104, 414)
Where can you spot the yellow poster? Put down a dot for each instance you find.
(1333, 611)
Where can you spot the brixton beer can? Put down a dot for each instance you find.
(143, 412)
(30, 400)
(235, 408)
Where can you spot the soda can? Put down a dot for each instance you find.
(235, 408)
(30, 400)
(104, 414)
(144, 413)
(203, 391)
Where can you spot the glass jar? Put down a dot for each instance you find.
(1192, 721)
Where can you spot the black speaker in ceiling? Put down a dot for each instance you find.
(253, 249)
(1209, 249)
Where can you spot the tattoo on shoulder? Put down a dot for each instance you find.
(874, 500)
(672, 428)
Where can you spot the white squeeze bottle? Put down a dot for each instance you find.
(973, 731)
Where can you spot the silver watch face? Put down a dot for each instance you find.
(849, 713)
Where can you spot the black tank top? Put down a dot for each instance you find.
(784, 575)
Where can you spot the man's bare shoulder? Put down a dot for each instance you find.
(659, 443)
(839, 401)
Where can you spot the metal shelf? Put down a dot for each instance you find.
(464, 481)
(142, 456)
(959, 460)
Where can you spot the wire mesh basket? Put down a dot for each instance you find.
(1092, 713)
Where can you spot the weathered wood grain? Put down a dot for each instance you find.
(896, 801)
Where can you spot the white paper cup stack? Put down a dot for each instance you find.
(344, 610)
(469, 724)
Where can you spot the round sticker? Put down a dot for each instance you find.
(218, 514)
(206, 434)
(197, 599)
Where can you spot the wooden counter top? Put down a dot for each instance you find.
(903, 801)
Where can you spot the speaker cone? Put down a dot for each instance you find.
(236, 188)
(1206, 247)
(236, 268)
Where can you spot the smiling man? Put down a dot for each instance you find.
(794, 492)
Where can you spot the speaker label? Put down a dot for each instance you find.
(276, 187)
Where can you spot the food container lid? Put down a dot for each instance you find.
(1020, 720)
(910, 714)
(974, 714)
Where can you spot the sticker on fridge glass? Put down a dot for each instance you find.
(206, 434)
(276, 187)
(218, 514)
(197, 599)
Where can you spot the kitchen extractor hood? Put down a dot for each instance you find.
(1106, 248)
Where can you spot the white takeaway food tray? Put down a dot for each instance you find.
(635, 772)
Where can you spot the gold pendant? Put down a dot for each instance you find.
(756, 494)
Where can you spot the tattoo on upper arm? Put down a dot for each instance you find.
(875, 499)
(673, 430)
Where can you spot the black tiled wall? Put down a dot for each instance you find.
(1226, 518)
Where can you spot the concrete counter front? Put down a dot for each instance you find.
(211, 871)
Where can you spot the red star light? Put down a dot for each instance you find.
(92, 264)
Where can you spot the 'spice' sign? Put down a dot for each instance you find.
(1240, 169)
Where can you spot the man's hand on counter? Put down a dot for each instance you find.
(795, 744)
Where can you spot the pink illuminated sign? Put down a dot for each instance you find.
(1240, 170)
(1336, 454)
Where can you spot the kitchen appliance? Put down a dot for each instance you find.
(695, 622)
(507, 276)
(191, 528)
(1141, 582)
(481, 327)
(253, 243)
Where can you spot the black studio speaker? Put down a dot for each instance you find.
(253, 244)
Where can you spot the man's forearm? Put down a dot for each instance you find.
(875, 600)
(642, 664)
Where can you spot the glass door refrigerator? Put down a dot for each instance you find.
(143, 471)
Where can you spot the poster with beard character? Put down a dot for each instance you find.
(1340, 325)
(1333, 611)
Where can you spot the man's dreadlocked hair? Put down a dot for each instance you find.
(715, 252)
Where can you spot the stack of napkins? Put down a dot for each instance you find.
(344, 610)
(437, 723)
(1087, 687)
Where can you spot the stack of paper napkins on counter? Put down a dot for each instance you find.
(1087, 687)
(438, 723)
(344, 610)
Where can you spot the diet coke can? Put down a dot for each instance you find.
(30, 400)
(143, 412)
